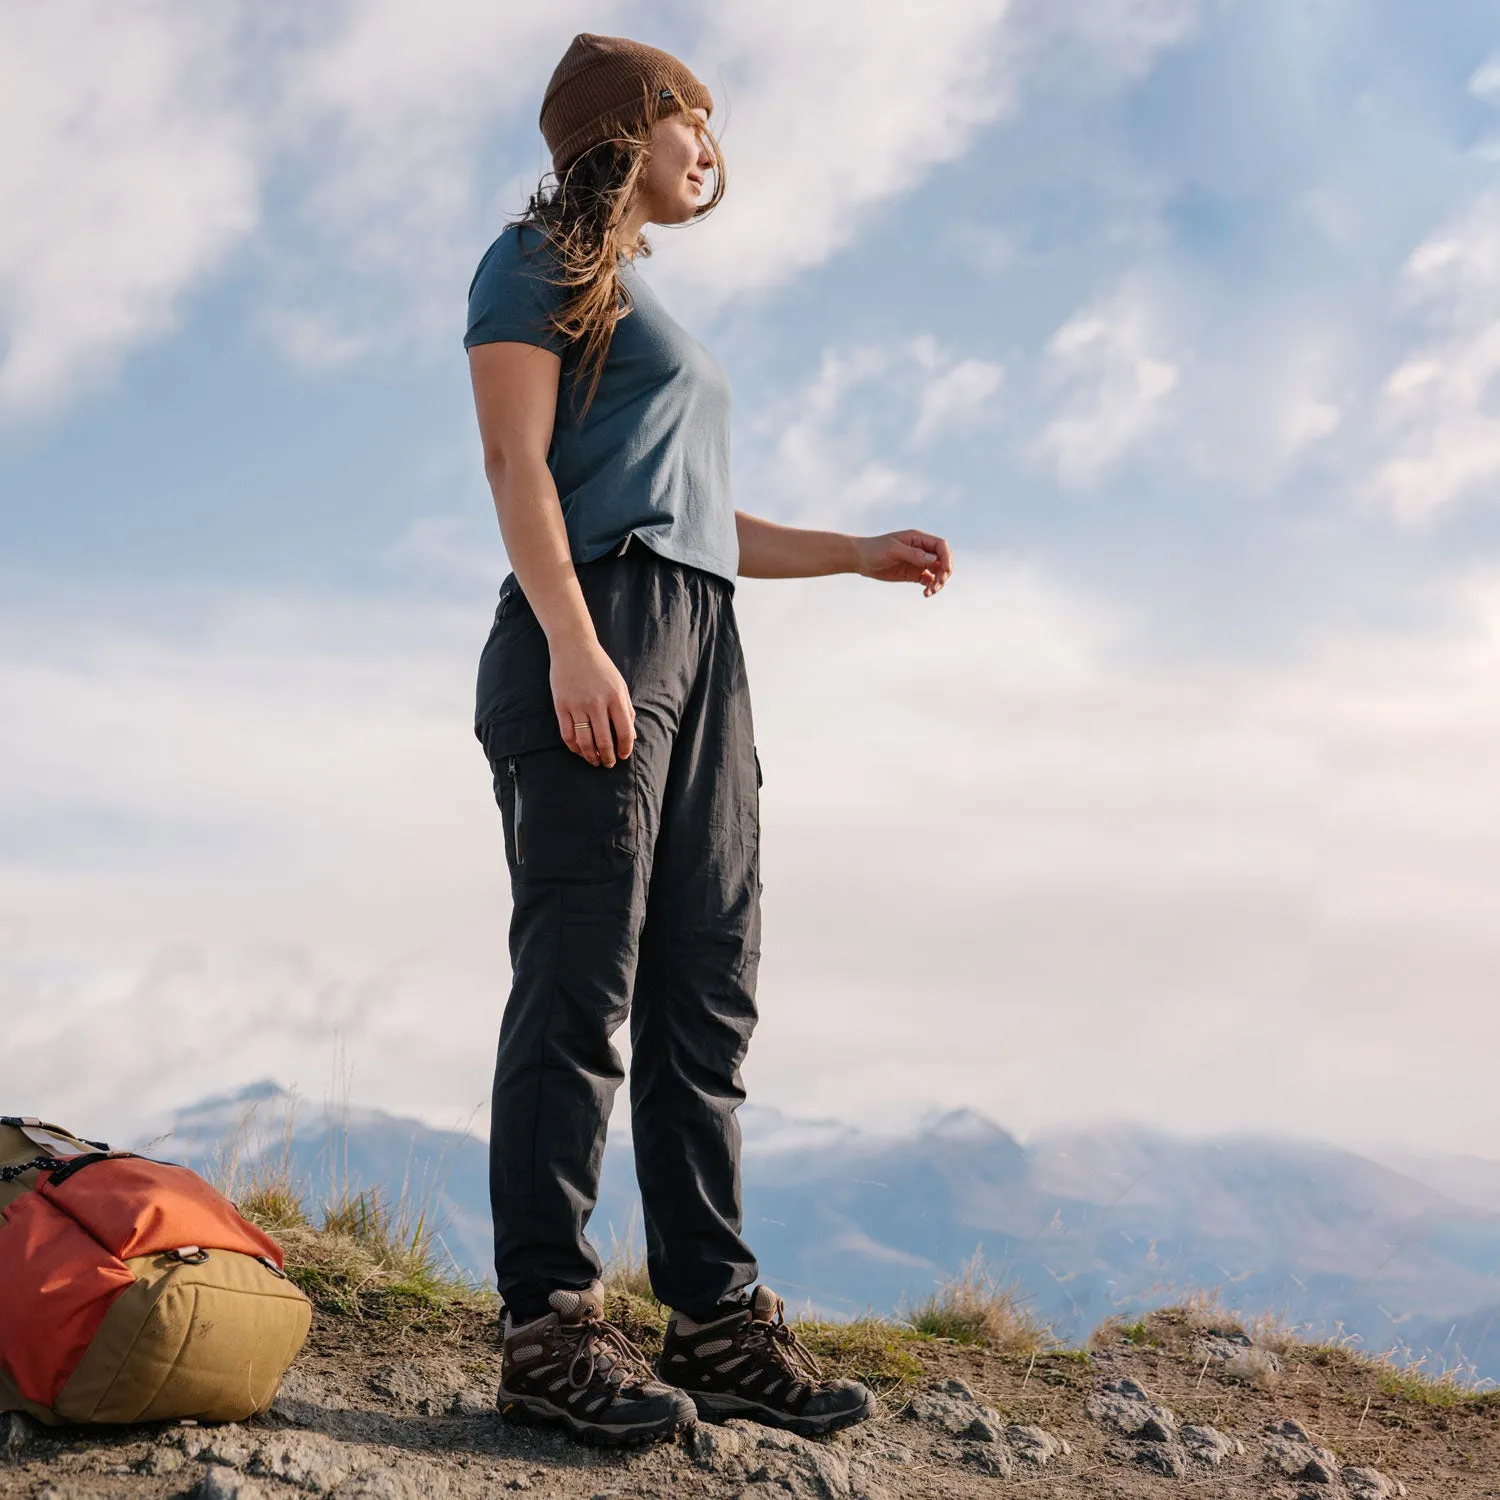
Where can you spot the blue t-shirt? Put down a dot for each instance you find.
(650, 458)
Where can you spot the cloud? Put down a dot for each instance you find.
(1179, 892)
(1485, 84)
(127, 173)
(848, 440)
(1441, 404)
(956, 397)
(367, 152)
(140, 140)
(826, 119)
(311, 341)
(1114, 383)
(1307, 420)
(1123, 37)
(396, 123)
(286, 778)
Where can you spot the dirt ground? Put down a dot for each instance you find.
(370, 1412)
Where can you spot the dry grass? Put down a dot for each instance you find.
(1254, 1366)
(1118, 1330)
(1400, 1375)
(262, 1187)
(629, 1301)
(872, 1350)
(367, 1255)
(975, 1307)
(1276, 1332)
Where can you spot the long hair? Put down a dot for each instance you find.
(581, 211)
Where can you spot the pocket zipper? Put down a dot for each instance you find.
(515, 782)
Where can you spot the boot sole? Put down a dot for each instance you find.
(716, 1407)
(536, 1411)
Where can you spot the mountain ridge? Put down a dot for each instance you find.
(1089, 1223)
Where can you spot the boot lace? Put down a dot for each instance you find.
(776, 1340)
(603, 1349)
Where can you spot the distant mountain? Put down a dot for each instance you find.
(1085, 1224)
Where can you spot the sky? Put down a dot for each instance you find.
(1180, 319)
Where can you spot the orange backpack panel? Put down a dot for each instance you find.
(133, 1206)
(58, 1285)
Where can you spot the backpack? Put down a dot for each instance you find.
(131, 1291)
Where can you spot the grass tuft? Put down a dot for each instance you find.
(974, 1307)
(868, 1349)
(1437, 1389)
(367, 1256)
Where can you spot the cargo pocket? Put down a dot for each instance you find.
(565, 819)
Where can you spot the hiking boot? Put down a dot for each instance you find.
(751, 1364)
(572, 1369)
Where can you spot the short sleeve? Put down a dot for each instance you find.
(512, 298)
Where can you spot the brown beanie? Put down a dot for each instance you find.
(602, 86)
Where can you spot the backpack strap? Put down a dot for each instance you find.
(28, 1123)
(62, 1167)
(9, 1174)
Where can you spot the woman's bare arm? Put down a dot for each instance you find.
(515, 397)
(769, 550)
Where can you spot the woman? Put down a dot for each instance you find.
(613, 708)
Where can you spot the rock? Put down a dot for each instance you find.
(1210, 1446)
(1371, 1484)
(711, 1446)
(1243, 1359)
(953, 1407)
(470, 1403)
(410, 1481)
(1223, 1346)
(797, 1465)
(868, 1486)
(222, 1483)
(1291, 1451)
(310, 1463)
(1033, 1446)
(1163, 1458)
(18, 1433)
(225, 1445)
(988, 1459)
(982, 1430)
(376, 1484)
(161, 1460)
(955, 1387)
(756, 1436)
(403, 1382)
(520, 1482)
(830, 1473)
(1127, 1407)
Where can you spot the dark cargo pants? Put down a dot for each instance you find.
(636, 891)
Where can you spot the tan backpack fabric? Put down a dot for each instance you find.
(131, 1291)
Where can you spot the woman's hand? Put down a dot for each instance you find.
(593, 705)
(906, 557)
